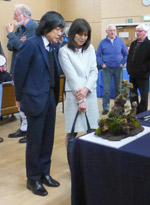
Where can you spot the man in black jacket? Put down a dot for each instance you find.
(138, 66)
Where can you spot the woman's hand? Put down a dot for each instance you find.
(82, 107)
(81, 93)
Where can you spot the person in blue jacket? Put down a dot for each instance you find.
(111, 56)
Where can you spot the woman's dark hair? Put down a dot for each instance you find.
(79, 26)
(48, 22)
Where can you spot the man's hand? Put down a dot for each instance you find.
(18, 103)
(10, 27)
(103, 66)
(24, 38)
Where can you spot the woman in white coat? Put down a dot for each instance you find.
(78, 62)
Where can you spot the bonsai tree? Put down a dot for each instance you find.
(121, 121)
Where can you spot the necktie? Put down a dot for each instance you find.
(52, 64)
(50, 47)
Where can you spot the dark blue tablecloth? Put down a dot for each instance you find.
(106, 176)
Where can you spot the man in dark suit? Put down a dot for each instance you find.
(37, 94)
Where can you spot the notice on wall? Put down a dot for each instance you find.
(124, 34)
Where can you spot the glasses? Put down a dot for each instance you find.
(59, 30)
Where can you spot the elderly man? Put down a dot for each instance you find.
(111, 56)
(138, 66)
(26, 28)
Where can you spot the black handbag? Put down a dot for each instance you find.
(72, 138)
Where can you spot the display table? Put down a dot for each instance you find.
(112, 175)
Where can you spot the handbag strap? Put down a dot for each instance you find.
(74, 122)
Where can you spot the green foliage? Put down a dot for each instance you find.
(110, 115)
(120, 120)
(114, 124)
(136, 122)
(130, 116)
(98, 132)
(101, 122)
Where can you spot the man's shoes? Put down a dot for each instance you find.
(49, 181)
(105, 112)
(1, 139)
(18, 133)
(23, 140)
(36, 187)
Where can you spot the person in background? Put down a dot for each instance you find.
(4, 77)
(37, 94)
(26, 28)
(78, 62)
(111, 56)
(62, 41)
(138, 67)
(65, 37)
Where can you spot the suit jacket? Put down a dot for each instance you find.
(139, 66)
(32, 76)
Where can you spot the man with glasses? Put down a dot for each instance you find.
(37, 94)
(25, 28)
(111, 56)
(138, 66)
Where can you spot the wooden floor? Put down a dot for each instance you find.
(12, 167)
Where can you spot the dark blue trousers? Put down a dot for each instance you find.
(40, 138)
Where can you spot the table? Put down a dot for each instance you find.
(103, 175)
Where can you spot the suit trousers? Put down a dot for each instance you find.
(143, 86)
(40, 138)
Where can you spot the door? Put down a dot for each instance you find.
(127, 34)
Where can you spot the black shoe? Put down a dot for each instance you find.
(36, 187)
(18, 133)
(49, 181)
(105, 112)
(23, 140)
(1, 139)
